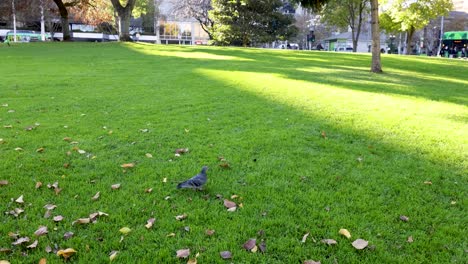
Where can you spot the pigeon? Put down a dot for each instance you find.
(196, 182)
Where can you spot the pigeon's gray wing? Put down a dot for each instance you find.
(195, 182)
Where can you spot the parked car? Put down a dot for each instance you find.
(343, 49)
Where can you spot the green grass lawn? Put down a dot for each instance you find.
(313, 140)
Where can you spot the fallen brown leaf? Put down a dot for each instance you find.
(42, 230)
(150, 223)
(311, 262)
(82, 221)
(33, 245)
(209, 232)
(232, 209)
(250, 244)
(404, 218)
(48, 249)
(345, 233)
(183, 253)
(38, 185)
(304, 238)
(229, 204)
(192, 261)
(40, 150)
(428, 182)
(58, 218)
(225, 254)
(128, 165)
(3, 182)
(20, 200)
(96, 196)
(13, 235)
(360, 244)
(181, 217)
(66, 253)
(113, 254)
(115, 186)
(20, 241)
(125, 230)
(329, 241)
(149, 190)
(410, 239)
(262, 247)
(43, 261)
(181, 151)
(68, 235)
(48, 213)
(50, 206)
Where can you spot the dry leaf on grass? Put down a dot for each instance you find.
(41, 231)
(183, 253)
(345, 233)
(181, 151)
(43, 261)
(148, 155)
(192, 261)
(404, 218)
(150, 223)
(128, 165)
(113, 254)
(304, 238)
(262, 247)
(96, 196)
(311, 262)
(58, 218)
(20, 200)
(82, 221)
(33, 245)
(115, 186)
(68, 235)
(125, 230)
(410, 239)
(3, 182)
(360, 244)
(181, 217)
(209, 232)
(229, 204)
(225, 254)
(38, 185)
(66, 253)
(329, 241)
(250, 244)
(20, 241)
(50, 206)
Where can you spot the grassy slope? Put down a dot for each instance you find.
(264, 111)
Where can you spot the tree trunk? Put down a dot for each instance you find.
(408, 40)
(64, 20)
(376, 64)
(124, 15)
(13, 11)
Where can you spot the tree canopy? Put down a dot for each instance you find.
(244, 22)
(409, 16)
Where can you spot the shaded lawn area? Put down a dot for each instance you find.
(315, 143)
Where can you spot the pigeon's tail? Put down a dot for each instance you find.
(180, 185)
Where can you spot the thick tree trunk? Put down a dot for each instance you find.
(124, 15)
(408, 40)
(64, 20)
(376, 63)
(124, 27)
